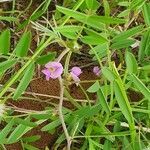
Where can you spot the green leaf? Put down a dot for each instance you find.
(9, 19)
(106, 8)
(126, 144)
(40, 10)
(5, 41)
(136, 4)
(107, 145)
(42, 60)
(31, 138)
(4, 132)
(108, 74)
(7, 64)
(25, 122)
(93, 39)
(41, 116)
(144, 45)
(30, 147)
(94, 21)
(92, 4)
(122, 43)
(129, 33)
(142, 88)
(146, 12)
(23, 45)
(122, 100)
(17, 133)
(145, 68)
(103, 101)
(71, 33)
(131, 63)
(53, 124)
(25, 81)
(94, 88)
(100, 49)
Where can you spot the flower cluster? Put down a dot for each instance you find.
(55, 69)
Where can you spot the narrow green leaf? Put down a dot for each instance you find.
(42, 60)
(41, 116)
(25, 81)
(25, 122)
(145, 68)
(92, 4)
(108, 74)
(140, 85)
(40, 10)
(4, 132)
(129, 33)
(71, 33)
(17, 133)
(107, 145)
(30, 147)
(146, 12)
(103, 101)
(131, 63)
(31, 138)
(122, 43)
(91, 40)
(7, 64)
(5, 41)
(106, 8)
(94, 88)
(23, 45)
(122, 100)
(144, 44)
(94, 21)
(9, 19)
(54, 124)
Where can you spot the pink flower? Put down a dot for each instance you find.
(53, 70)
(96, 70)
(75, 73)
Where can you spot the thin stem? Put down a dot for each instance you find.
(61, 114)
(87, 97)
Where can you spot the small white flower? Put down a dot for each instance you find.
(2, 109)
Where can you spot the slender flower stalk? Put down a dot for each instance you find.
(61, 114)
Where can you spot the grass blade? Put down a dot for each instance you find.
(5, 41)
(23, 44)
(142, 88)
(103, 101)
(25, 81)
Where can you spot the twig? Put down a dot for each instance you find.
(61, 114)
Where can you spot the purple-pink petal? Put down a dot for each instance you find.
(47, 73)
(53, 70)
(56, 73)
(96, 70)
(76, 71)
(54, 65)
(75, 78)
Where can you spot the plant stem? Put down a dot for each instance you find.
(61, 114)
